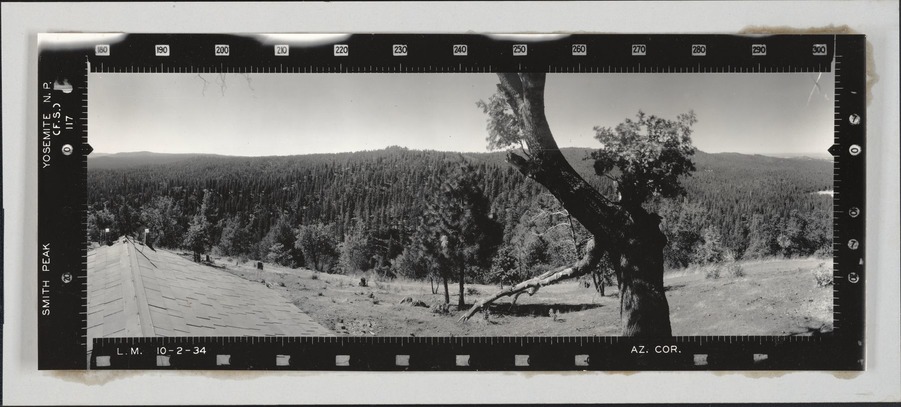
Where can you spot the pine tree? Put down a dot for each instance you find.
(761, 238)
(198, 237)
(425, 250)
(683, 223)
(711, 248)
(467, 235)
(319, 247)
(506, 267)
(355, 251)
(281, 233)
(126, 221)
(278, 254)
(98, 222)
(161, 215)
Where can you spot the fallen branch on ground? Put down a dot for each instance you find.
(531, 286)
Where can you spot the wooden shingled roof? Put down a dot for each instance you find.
(135, 291)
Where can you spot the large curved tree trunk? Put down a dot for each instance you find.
(631, 237)
(643, 307)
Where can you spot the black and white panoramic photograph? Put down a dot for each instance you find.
(225, 204)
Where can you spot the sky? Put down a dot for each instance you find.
(287, 114)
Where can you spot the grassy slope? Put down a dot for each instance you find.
(775, 297)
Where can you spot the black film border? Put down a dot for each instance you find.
(64, 146)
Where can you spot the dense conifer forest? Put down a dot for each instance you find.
(379, 210)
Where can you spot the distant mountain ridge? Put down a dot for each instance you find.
(572, 154)
(812, 155)
(139, 158)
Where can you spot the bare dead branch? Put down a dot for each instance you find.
(584, 266)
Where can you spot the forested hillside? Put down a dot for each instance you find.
(360, 211)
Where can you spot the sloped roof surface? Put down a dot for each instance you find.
(134, 291)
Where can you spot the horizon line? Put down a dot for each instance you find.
(811, 154)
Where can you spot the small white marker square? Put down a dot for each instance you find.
(580, 49)
(282, 360)
(521, 360)
(698, 50)
(342, 360)
(700, 359)
(461, 50)
(758, 50)
(639, 49)
(281, 50)
(101, 50)
(760, 357)
(342, 50)
(103, 361)
(402, 360)
(161, 50)
(581, 360)
(820, 49)
(223, 360)
(520, 50)
(222, 50)
(162, 361)
(462, 360)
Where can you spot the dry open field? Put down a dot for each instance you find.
(774, 297)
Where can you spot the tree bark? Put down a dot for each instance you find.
(630, 235)
(446, 291)
(644, 310)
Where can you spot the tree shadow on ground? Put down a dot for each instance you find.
(812, 328)
(538, 310)
(673, 287)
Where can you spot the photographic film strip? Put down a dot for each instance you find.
(451, 202)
